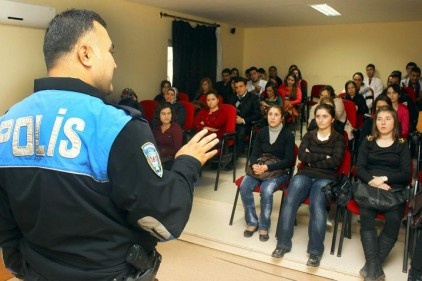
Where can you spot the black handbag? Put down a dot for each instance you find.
(376, 198)
(266, 159)
(340, 190)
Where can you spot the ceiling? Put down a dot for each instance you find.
(268, 13)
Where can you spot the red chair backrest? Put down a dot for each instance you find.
(315, 91)
(149, 107)
(351, 114)
(181, 96)
(190, 114)
(231, 119)
(411, 93)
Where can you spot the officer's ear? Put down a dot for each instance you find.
(85, 54)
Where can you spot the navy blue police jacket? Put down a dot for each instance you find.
(80, 182)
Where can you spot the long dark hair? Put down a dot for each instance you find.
(156, 122)
(293, 92)
(345, 88)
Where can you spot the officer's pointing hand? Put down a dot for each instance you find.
(199, 147)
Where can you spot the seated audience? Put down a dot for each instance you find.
(211, 118)
(269, 98)
(234, 72)
(262, 74)
(292, 67)
(178, 109)
(273, 76)
(360, 104)
(164, 86)
(363, 90)
(301, 83)
(405, 99)
(167, 133)
(223, 87)
(415, 83)
(128, 97)
(255, 85)
(291, 94)
(248, 111)
(373, 82)
(321, 151)
(328, 91)
(278, 141)
(383, 162)
(205, 86)
(381, 100)
(409, 67)
(337, 125)
(393, 92)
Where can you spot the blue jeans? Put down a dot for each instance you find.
(301, 187)
(267, 189)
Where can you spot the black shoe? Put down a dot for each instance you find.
(264, 237)
(249, 233)
(279, 252)
(313, 260)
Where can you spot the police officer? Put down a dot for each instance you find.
(81, 182)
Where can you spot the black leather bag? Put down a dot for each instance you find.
(339, 191)
(266, 159)
(376, 198)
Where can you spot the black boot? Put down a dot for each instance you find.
(370, 248)
(385, 245)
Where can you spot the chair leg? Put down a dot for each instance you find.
(333, 242)
(234, 206)
(234, 165)
(220, 163)
(342, 233)
(406, 242)
(349, 225)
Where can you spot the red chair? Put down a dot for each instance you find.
(311, 101)
(411, 93)
(352, 116)
(181, 96)
(353, 208)
(149, 107)
(257, 189)
(227, 151)
(190, 116)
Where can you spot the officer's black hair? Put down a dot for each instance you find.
(64, 31)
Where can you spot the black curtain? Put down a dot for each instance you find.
(194, 55)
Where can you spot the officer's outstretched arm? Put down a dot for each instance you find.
(199, 147)
(156, 200)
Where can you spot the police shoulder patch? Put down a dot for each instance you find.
(153, 159)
